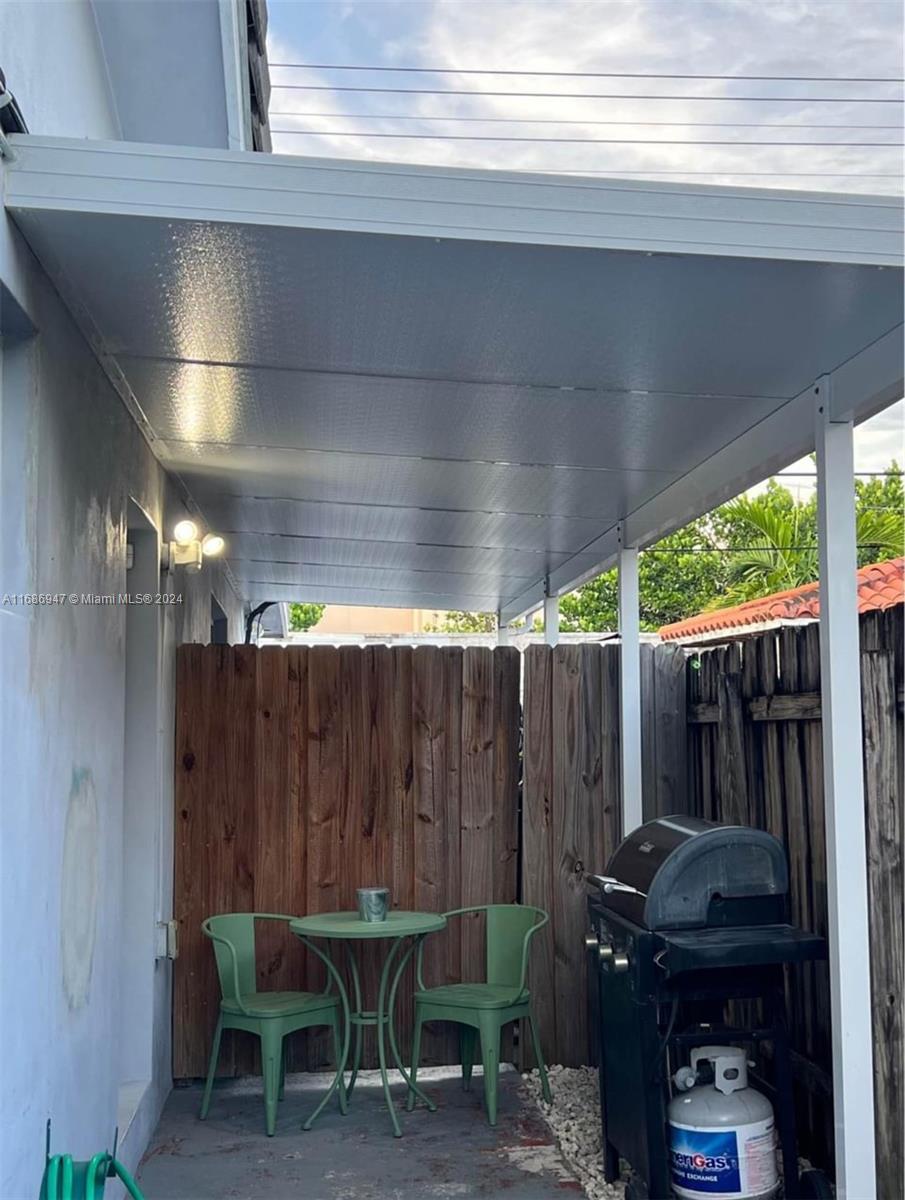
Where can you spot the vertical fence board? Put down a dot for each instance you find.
(433, 834)
(537, 833)
(240, 727)
(611, 762)
(325, 749)
(883, 792)
(297, 839)
(506, 723)
(477, 802)
(400, 834)
(733, 776)
(568, 898)
(272, 864)
(194, 980)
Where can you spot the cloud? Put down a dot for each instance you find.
(727, 36)
(768, 37)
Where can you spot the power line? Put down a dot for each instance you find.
(324, 87)
(579, 121)
(590, 74)
(561, 141)
(637, 171)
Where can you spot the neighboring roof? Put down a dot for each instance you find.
(880, 585)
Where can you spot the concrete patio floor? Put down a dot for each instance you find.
(450, 1153)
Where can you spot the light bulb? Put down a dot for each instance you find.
(212, 544)
(186, 531)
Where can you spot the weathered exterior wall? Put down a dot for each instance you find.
(71, 458)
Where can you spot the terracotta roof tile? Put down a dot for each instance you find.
(880, 585)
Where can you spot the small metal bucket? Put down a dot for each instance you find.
(373, 903)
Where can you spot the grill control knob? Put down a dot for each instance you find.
(620, 963)
(605, 953)
(590, 942)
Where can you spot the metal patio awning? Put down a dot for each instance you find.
(446, 388)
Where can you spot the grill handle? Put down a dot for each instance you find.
(608, 884)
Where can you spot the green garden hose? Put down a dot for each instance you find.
(68, 1180)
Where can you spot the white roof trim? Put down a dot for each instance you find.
(190, 184)
(861, 387)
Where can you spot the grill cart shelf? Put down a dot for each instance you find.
(689, 916)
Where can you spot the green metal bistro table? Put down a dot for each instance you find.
(347, 927)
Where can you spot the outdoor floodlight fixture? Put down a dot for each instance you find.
(185, 532)
(187, 550)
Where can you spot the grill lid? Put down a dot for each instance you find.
(685, 873)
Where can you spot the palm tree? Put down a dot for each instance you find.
(781, 550)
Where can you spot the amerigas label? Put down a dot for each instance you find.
(722, 1164)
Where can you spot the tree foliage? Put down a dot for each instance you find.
(750, 547)
(303, 616)
(463, 622)
(778, 547)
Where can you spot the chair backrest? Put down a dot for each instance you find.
(509, 927)
(233, 937)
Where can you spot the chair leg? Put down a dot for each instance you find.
(211, 1070)
(467, 1038)
(337, 1051)
(271, 1055)
(416, 1054)
(490, 1057)
(282, 1092)
(539, 1059)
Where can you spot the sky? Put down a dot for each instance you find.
(853, 38)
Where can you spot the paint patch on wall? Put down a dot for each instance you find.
(79, 890)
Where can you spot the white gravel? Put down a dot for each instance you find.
(574, 1118)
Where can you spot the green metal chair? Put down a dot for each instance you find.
(484, 1008)
(271, 1016)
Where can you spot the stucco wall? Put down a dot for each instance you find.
(51, 56)
(168, 71)
(71, 459)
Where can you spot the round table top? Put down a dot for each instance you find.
(350, 925)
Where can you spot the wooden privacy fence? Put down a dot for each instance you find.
(570, 825)
(755, 757)
(304, 773)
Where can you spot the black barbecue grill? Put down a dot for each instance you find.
(689, 915)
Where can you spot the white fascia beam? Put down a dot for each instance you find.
(187, 184)
(864, 385)
(846, 840)
(630, 688)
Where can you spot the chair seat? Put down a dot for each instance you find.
(471, 995)
(278, 1004)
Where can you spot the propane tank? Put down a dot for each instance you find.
(722, 1140)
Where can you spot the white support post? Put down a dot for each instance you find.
(847, 896)
(630, 687)
(502, 632)
(551, 620)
